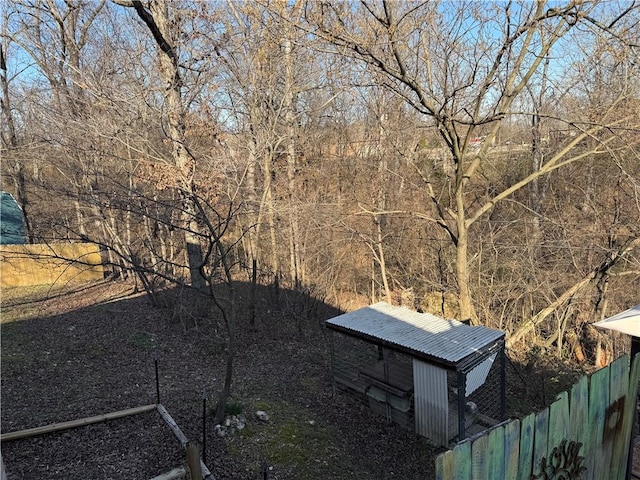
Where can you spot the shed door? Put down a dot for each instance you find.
(431, 402)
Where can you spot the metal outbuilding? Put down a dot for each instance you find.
(439, 377)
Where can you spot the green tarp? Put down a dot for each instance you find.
(11, 222)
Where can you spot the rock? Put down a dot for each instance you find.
(262, 416)
(230, 426)
(240, 424)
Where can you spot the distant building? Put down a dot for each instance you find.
(12, 231)
(476, 142)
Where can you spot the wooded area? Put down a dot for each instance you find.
(477, 160)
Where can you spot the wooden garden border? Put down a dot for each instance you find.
(55, 427)
(184, 441)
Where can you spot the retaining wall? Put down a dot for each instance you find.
(25, 265)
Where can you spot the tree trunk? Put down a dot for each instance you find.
(290, 132)
(380, 257)
(228, 313)
(160, 25)
(535, 198)
(269, 208)
(253, 209)
(462, 263)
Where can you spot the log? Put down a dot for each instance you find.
(193, 462)
(54, 427)
(600, 271)
(206, 473)
(175, 474)
(173, 425)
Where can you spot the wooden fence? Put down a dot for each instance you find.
(25, 265)
(584, 434)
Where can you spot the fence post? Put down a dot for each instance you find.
(193, 462)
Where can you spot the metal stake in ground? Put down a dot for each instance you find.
(157, 383)
(204, 425)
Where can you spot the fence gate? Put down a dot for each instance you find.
(584, 434)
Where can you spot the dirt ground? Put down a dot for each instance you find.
(90, 350)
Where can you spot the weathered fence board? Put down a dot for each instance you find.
(479, 457)
(619, 386)
(511, 449)
(598, 403)
(463, 470)
(629, 411)
(445, 466)
(558, 422)
(526, 447)
(579, 411)
(540, 439)
(587, 429)
(495, 467)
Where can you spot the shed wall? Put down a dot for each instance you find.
(431, 402)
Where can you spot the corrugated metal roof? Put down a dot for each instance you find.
(447, 340)
(625, 322)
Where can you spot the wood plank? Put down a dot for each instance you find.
(440, 473)
(614, 423)
(598, 403)
(511, 449)
(527, 435)
(630, 411)
(494, 467)
(463, 466)
(597, 413)
(579, 412)
(173, 426)
(558, 422)
(194, 462)
(479, 451)
(397, 375)
(55, 427)
(357, 384)
(540, 440)
(444, 465)
(206, 473)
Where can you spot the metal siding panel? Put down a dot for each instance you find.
(431, 402)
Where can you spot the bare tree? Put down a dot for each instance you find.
(165, 32)
(463, 67)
